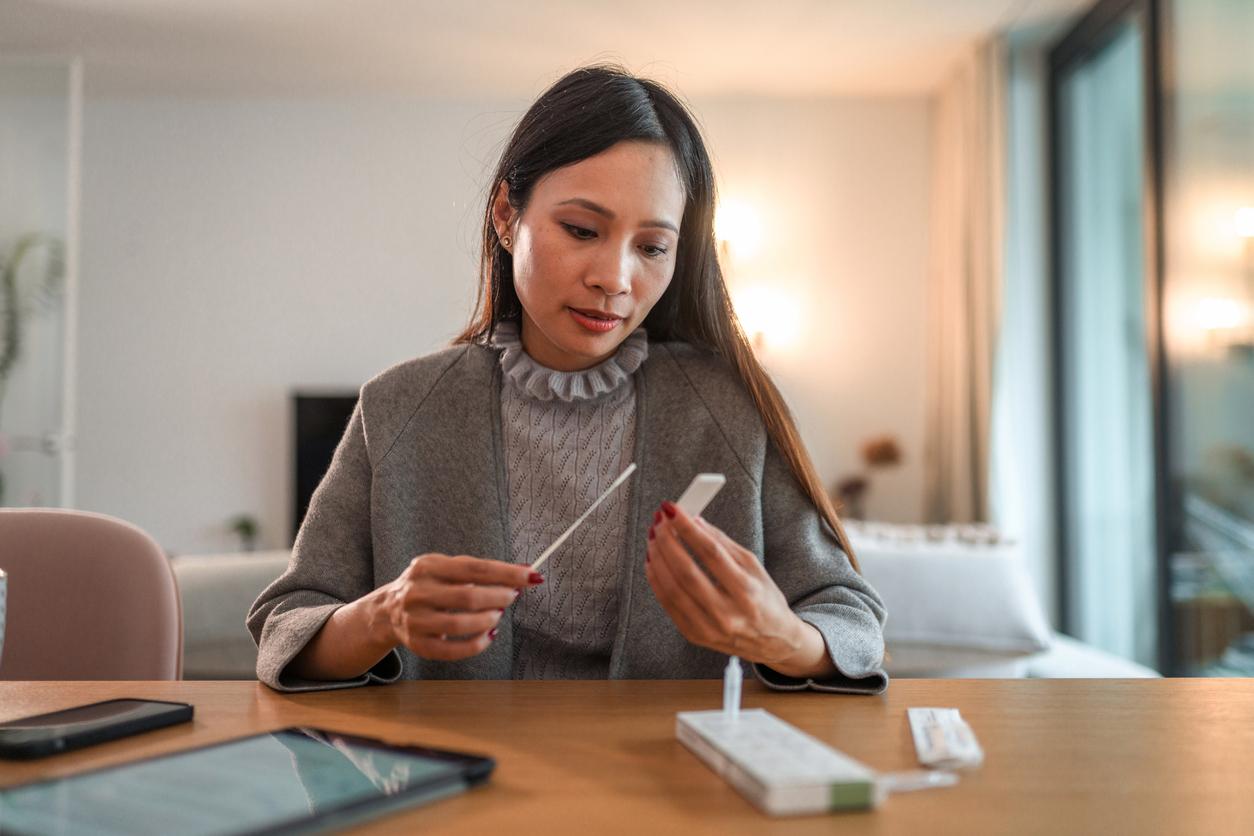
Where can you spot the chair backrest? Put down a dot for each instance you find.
(90, 597)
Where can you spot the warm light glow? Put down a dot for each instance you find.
(737, 224)
(1218, 314)
(768, 317)
(1243, 221)
(1212, 227)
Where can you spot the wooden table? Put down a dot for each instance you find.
(1061, 756)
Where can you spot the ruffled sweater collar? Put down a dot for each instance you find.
(543, 383)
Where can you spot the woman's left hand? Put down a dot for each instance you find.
(732, 605)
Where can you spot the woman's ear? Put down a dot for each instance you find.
(503, 215)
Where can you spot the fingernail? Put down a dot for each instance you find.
(517, 592)
(492, 634)
(657, 517)
(535, 577)
(646, 557)
(501, 611)
(668, 508)
(650, 533)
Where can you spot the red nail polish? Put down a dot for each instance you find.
(657, 517)
(650, 533)
(501, 611)
(668, 508)
(535, 577)
(646, 558)
(492, 634)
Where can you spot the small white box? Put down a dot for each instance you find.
(775, 765)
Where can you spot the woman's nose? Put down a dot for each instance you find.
(612, 272)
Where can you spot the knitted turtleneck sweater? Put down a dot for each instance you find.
(567, 436)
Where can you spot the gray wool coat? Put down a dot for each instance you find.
(420, 469)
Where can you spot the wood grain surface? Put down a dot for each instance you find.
(1061, 756)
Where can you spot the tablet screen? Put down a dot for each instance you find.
(279, 779)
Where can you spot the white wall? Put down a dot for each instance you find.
(842, 190)
(234, 249)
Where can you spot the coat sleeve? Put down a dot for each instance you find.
(822, 587)
(332, 564)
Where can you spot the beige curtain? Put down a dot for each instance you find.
(964, 284)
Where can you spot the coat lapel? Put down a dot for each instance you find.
(677, 437)
(647, 642)
(463, 511)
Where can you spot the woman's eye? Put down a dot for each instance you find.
(654, 251)
(580, 232)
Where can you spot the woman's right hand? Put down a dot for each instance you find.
(447, 607)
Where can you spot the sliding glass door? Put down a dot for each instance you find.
(1209, 314)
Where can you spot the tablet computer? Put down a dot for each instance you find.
(295, 780)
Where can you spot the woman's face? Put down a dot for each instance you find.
(593, 251)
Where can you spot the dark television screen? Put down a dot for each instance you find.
(320, 423)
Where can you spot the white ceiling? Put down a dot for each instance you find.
(510, 48)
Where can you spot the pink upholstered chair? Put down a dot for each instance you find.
(89, 597)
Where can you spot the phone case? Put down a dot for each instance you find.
(89, 735)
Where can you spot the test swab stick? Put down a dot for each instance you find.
(544, 555)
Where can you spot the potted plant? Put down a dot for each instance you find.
(878, 452)
(245, 527)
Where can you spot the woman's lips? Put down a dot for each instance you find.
(594, 320)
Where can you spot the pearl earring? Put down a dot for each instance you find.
(505, 242)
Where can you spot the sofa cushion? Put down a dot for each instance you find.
(217, 592)
(959, 599)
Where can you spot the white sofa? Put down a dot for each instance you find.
(961, 604)
(959, 600)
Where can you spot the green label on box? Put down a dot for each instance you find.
(845, 796)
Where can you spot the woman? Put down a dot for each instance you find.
(603, 336)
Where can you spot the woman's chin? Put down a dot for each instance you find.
(591, 353)
(583, 351)
(572, 347)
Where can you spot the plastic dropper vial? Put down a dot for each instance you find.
(733, 675)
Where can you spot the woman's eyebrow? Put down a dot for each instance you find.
(606, 213)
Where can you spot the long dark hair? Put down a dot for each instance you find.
(586, 112)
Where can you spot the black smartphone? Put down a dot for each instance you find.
(84, 725)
